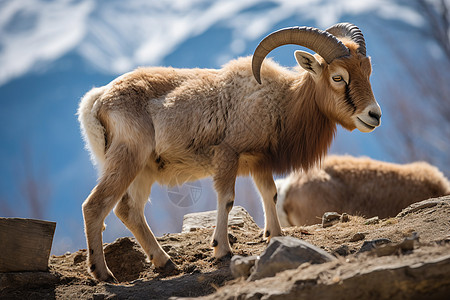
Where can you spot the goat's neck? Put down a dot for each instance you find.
(308, 133)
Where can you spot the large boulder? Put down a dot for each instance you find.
(284, 253)
(238, 216)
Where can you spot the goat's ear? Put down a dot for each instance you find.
(308, 62)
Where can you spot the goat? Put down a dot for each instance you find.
(172, 125)
(360, 186)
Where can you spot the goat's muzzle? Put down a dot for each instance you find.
(369, 119)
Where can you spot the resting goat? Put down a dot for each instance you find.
(171, 125)
(360, 186)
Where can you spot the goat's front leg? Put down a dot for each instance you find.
(224, 182)
(268, 191)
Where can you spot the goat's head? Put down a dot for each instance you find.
(340, 69)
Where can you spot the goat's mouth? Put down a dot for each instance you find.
(363, 126)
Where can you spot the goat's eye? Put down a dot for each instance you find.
(337, 78)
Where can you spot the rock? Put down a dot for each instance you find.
(285, 253)
(330, 218)
(405, 246)
(358, 237)
(238, 217)
(241, 266)
(344, 218)
(125, 258)
(372, 221)
(370, 245)
(80, 256)
(343, 250)
(424, 204)
(444, 241)
(412, 277)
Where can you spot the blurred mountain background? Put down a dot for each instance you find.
(52, 52)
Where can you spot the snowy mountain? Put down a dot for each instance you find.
(52, 52)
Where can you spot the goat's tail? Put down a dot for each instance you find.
(92, 130)
(282, 187)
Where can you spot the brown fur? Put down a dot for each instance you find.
(307, 133)
(175, 125)
(360, 186)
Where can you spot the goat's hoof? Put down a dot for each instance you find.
(168, 269)
(268, 234)
(111, 279)
(219, 252)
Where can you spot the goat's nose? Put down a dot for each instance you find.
(376, 116)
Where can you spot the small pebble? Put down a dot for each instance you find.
(255, 243)
(343, 250)
(167, 247)
(241, 266)
(358, 237)
(404, 247)
(79, 258)
(330, 218)
(369, 245)
(372, 221)
(345, 218)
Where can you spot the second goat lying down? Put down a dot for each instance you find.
(360, 186)
(172, 125)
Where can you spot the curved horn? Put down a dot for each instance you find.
(351, 31)
(321, 42)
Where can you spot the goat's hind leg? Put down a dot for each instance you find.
(121, 166)
(130, 211)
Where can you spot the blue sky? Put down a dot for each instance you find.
(52, 52)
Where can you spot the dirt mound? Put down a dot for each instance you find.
(423, 271)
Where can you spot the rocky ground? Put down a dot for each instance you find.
(420, 270)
